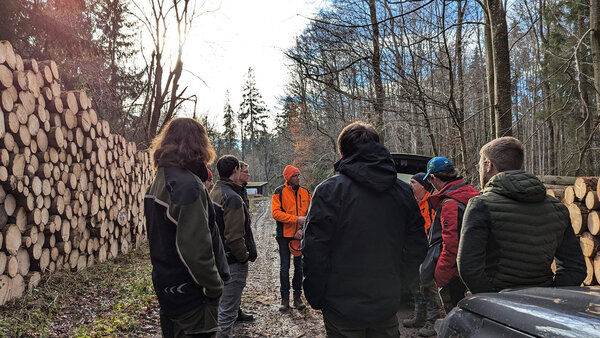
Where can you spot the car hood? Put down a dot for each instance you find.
(547, 312)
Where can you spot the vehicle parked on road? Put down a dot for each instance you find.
(409, 164)
(528, 312)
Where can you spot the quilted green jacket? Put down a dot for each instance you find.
(511, 234)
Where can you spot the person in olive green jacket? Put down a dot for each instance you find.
(233, 219)
(513, 231)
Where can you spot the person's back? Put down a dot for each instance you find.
(187, 268)
(513, 231)
(526, 226)
(363, 226)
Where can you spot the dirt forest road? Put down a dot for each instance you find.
(261, 296)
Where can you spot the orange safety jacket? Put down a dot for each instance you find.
(286, 205)
(427, 212)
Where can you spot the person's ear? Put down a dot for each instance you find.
(490, 166)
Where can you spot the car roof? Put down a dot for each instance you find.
(547, 312)
(410, 163)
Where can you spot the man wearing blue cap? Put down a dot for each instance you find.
(439, 266)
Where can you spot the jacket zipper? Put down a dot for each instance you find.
(297, 225)
(297, 201)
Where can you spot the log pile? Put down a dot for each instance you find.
(71, 192)
(580, 195)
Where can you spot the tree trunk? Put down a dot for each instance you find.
(595, 46)
(502, 84)
(376, 64)
(489, 69)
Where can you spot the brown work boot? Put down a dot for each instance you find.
(285, 305)
(298, 304)
(427, 330)
(244, 317)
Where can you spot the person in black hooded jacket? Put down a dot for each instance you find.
(363, 232)
(188, 263)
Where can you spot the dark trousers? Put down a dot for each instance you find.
(455, 289)
(428, 304)
(284, 269)
(338, 326)
(198, 323)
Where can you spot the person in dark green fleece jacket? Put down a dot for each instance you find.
(513, 231)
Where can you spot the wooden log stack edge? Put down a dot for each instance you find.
(580, 196)
(71, 192)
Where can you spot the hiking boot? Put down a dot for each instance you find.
(298, 304)
(285, 304)
(427, 330)
(244, 317)
(414, 322)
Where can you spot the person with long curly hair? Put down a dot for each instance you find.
(189, 264)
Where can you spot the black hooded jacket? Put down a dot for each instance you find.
(363, 231)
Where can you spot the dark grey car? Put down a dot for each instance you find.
(530, 312)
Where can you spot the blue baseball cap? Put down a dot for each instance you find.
(438, 164)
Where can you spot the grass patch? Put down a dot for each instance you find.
(105, 299)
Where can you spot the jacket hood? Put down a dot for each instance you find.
(458, 190)
(370, 165)
(518, 185)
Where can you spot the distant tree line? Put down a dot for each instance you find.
(435, 77)
(444, 77)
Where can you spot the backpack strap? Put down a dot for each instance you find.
(459, 214)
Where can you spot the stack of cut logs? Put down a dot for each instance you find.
(71, 192)
(580, 195)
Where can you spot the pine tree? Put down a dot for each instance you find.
(211, 131)
(229, 135)
(253, 112)
(117, 44)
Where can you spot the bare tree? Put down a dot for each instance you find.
(595, 46)
(502, 79)
(163, 95)
(376, 64)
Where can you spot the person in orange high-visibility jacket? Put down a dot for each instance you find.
(422, 190)
(289, 206)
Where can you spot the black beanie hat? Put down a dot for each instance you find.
(419, 177)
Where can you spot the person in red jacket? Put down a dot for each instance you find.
(289, 206)
(439, 266)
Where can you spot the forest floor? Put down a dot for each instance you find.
(116, 298)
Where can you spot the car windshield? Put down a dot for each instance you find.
(404, 177)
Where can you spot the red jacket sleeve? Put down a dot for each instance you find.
(446, 268)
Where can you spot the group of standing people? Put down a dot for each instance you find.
(506, 236)
(361, 237)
